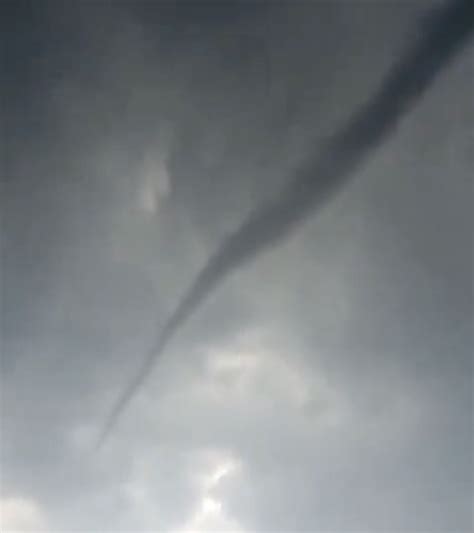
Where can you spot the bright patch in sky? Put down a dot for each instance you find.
(154, 184)
(20, 514)
(210, 513)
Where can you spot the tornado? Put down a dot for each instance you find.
(441, 36)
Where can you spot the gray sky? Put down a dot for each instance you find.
(326, 386)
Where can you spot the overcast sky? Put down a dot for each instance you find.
(327, 385)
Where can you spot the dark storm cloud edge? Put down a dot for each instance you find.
(447, 30)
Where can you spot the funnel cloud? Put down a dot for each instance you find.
(446, 31)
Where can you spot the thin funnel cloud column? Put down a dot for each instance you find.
(314, 182)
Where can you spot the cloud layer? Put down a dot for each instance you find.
(334, 374)
(317, 177)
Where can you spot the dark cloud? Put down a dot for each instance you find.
(334, 373)
(320, 176)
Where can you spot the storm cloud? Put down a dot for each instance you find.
(327, 385)
(442, 35)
